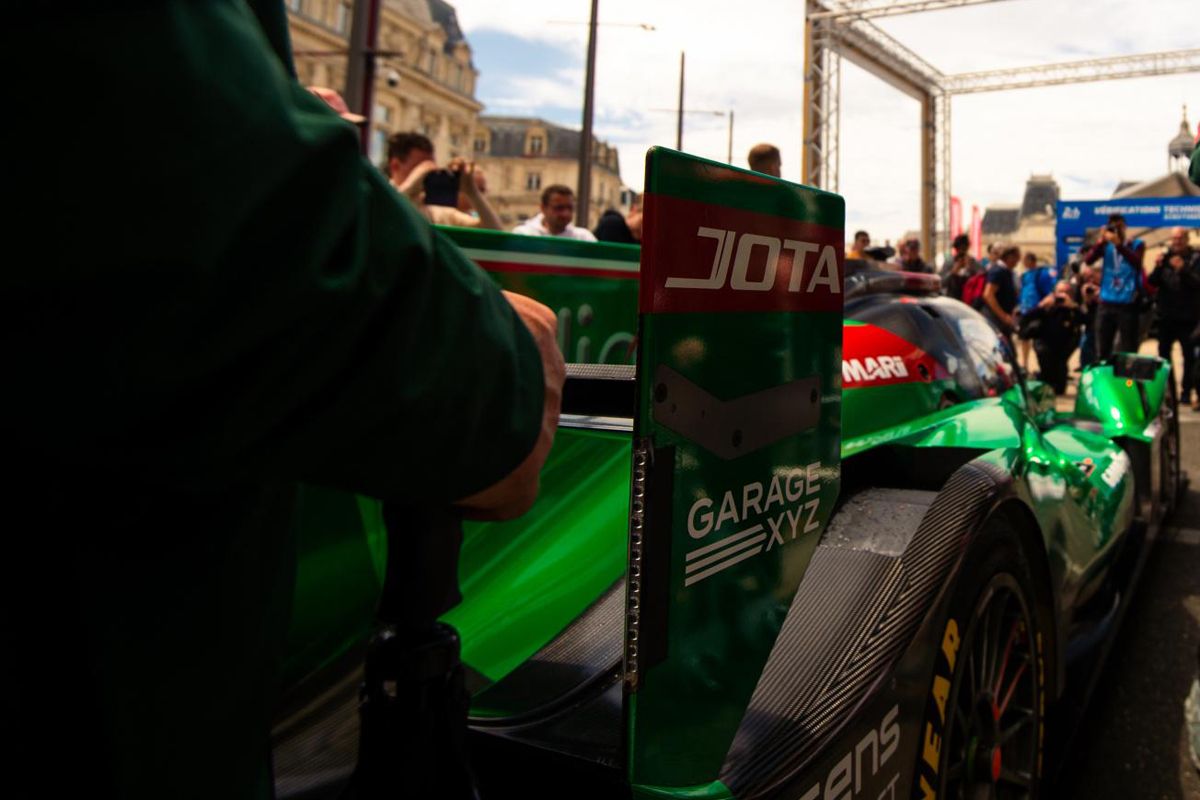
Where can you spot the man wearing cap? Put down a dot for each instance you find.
(213, 317)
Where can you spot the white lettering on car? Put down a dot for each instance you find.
(751, 519)
(877, 368)
(858, 772)
(738, 249)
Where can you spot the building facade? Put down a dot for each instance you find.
(523, 155)
(424, 82)
(1030, 225)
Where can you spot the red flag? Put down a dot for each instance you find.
(976, 232)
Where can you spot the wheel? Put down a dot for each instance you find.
(983, 733)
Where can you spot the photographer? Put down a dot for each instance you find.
(1053, 326)
(1177, 303)
(443, 196)
(1087, 295)
(1120, 287)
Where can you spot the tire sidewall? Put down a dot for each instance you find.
(995, 550)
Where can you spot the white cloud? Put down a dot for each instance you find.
(749, 57)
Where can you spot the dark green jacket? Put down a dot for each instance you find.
(209, 296)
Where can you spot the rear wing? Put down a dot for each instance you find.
(716, 350)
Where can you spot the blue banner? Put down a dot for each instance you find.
(1076, 217)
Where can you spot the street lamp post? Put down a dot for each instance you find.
(584, 184)
(360, 68)
(679, 121)
(584, 194)
(729, 157)
(679, 132)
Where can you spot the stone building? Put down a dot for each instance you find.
(523, 155)
(426, 82)
(1029, 225)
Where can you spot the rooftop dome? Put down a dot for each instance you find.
(1181, 145)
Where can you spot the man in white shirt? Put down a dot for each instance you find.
(558, 209)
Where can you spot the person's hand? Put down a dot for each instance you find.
(634, 221)
(414, 184)
(338, 104)
(1047, 301)
(514, 494)
(1111, 236)
(466, 176)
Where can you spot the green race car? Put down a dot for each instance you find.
(802, 534)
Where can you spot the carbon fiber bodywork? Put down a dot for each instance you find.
(872, 581)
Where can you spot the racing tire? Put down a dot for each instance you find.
(983, 731)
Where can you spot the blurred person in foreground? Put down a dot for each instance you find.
(558, 209)
(280, 316)
(765, 158)
(960, 268)
(1120, 287)
(1176, 276)
(1053, 327)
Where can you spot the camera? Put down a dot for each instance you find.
(441, 188)
(1111, 228)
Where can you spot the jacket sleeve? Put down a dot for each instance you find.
(1094, 252)
(1156, 276)
(231, 290)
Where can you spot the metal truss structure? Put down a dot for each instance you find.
(836, 29)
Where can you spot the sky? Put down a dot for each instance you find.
(748, 57)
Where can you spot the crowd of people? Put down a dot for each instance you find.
(1096, 304)
(1105, 300)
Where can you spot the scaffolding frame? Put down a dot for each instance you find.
(837, 29)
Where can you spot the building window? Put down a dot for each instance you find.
(383, 114)
(377, 151)
(341, 17)
(296, 5)
(536, 145)
(455, 139)
(481, 145)
(533, 181)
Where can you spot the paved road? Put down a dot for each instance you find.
(1131, 741)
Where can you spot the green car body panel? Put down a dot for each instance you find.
(525, 581)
